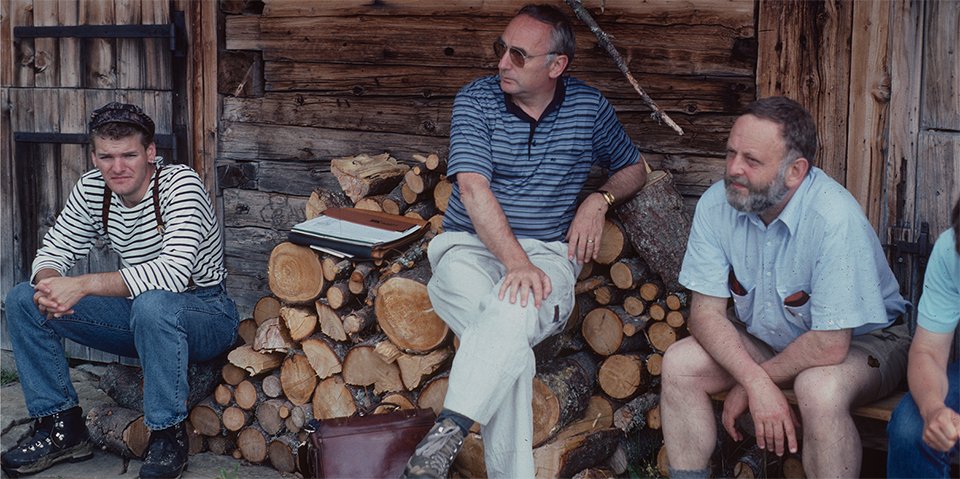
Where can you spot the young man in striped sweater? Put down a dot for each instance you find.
(521, 147)
(166, 305)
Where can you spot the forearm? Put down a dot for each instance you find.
(710, 326)
(811, 349)
(927, 370)
(490, 222)
(625, 183)
(105, 284)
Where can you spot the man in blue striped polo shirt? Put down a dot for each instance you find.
(521, 147)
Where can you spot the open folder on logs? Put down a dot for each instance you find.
(358, 234)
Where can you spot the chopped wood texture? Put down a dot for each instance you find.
(323, 198)
(561, 391)
(295, 273)
(661, 336)
(206, 417)
(632, 416)
(300, 321)
(323, 354)
(235, 418)
(361, 176)
(253, 362)
(405, 314)
(283, 453)
(628, 273)
(118, 429)
(252, 443)
(603, 329)
(614, 243)
(362, 366)
(330, 322)
(298, 378)
(273, 337)
(268, 307)
(414, 368)
(657, 223)
(333, 399)
(623, 376)
(566, 456)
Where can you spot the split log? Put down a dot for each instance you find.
(402, 400)
(634, 305)
(654, 363)
(414, 255)
(335, 268)
(362, 366)
(677, 318)
(333, 399)
(603, 329)
(470, 463)
(324, 355)
(248, 394)
(361, 176)
(298, 379)
(268, 415)
(436, 223)
(405, 314)
(413, 198)
(661, 336)
(388, 351)
(657, 223)
(300, 321)
(283, 453)
(422, 180)
(323, 198)
(247, 330)
(608, 295)
(235, 418)
(252, 443)
(434, 392)
(118, 429)
(623, 376)
(561, 391)
(678, 300)
(632, 416)
(267, 307)
(221, 445)
(614, 244)
(755, 463)
(628, 273)
(441, 194)
(566, 456)
(294, 273)
(124, 384)
(206, 417)
(371, 203)
(367, 282)
(359, 321)
(394, 202)
(330, 322)
(589, 284)
(339, 294)
(223, 394)
(652, 290)
(253, 362)
(273, 337)
(423, 210)
(233, 374)
(414, 368)
(272, 385)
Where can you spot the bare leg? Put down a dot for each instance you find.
(831, 443)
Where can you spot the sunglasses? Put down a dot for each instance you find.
(516, 56)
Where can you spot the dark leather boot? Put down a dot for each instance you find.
(56, 438)
(167, 453)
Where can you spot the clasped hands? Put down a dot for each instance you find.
(56, 296)
(774, 421)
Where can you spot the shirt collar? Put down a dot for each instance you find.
(558, 95)
(790, 216)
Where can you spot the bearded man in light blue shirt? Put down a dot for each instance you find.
(815, 306)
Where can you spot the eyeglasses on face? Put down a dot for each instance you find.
(516, 56)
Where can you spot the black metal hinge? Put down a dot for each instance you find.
(921, 248)
(175, 31)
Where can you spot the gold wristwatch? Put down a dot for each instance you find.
(607, 196)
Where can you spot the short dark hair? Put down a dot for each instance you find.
(121, 120)
(564, 41)
(797, 127)
(955, 222)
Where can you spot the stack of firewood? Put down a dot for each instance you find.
(338, 336)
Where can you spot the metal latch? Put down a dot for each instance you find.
(921, 247)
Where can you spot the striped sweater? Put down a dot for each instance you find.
(190, 247)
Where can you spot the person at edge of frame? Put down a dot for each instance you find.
(166, 305)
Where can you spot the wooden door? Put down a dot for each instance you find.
(923, 176)
(52, 84)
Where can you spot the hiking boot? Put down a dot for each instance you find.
(56, 438)
(435, 453)
(167, 453)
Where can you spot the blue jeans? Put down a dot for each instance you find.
(165, 330)
(908, 455)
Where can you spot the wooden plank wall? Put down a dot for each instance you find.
(52, 85)
(344, 78)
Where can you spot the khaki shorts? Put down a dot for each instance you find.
(885, 348)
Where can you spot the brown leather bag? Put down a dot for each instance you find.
(364, 446)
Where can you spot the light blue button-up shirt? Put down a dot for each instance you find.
(821, 244)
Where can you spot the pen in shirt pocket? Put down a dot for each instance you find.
(735, 285)
(799, 298)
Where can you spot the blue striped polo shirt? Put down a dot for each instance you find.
(535, 168)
